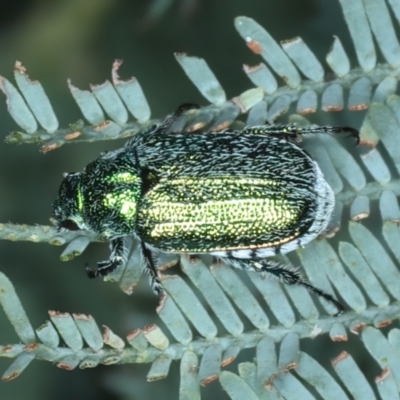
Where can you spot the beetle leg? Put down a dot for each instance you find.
(151, 269)
(167, 123)
(284, 273)
(289, 131)
(316, 130)
(293, 132)
(118, 256)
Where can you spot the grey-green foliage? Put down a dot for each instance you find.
(201, 312)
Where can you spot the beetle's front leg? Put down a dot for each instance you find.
(118, 256)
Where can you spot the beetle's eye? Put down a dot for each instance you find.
(69, 224)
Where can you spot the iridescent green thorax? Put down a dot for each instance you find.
(105, 198)
(111, 187)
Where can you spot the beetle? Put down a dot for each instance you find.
(239, 195)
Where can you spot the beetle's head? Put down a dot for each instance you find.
(103, 198)
(67, 207)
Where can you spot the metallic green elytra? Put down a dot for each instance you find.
(240, 195)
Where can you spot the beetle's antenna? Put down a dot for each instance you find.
(167, 123)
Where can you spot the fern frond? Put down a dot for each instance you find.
(212, 313)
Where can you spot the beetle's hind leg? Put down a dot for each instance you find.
(284, 273)
(151, 269)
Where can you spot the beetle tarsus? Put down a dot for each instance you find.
(167, 123)
(285, 274)
(90, 272)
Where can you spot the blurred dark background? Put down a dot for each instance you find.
(79, 40)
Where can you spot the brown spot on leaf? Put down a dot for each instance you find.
(339, 358)
(50, 147)
(254, 46)
(360, 216)
(133, 334)
(10, 377)
(31, 347)
(358, 107)
(227, 361)
(250, 69)
(221, 126)
(339, 338)
(19, 67)
(72, 135)
(66, 366)
(196, 127)
(334, 108)
(382, 324)
(308, 110)
(384, 374)
(208, 380)
(357, 328)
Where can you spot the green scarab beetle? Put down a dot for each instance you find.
(240, 195)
